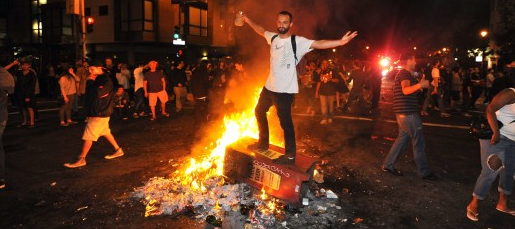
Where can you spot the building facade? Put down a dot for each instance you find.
(128, 31)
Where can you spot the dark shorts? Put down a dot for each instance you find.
(455, 95)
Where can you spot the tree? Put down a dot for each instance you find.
(504, 35)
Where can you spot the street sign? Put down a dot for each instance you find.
(179, 42)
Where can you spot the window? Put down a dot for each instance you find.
(149, 16)
(136, 15)
(37, 28)
(87, 11)
(103, 10)
(198, 21)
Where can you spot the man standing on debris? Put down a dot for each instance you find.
(405, 105)
(281, 86)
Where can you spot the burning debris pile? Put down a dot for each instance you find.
(201, 190)
(240, 205)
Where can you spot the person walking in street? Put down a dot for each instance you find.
(326, 91)
(155, 87)
(68, 86)
(24, 93)
(435, 91)
(139, 92)
(405, 106)
(82, 74)
(359, 77)
(180, 90)
(281, 85)
(497, 154)
(200, 85)
(6, 86)
(98, 109)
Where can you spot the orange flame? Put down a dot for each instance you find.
(235, 126)
(217, 206)
(263, 193)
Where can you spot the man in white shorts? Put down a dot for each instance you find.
(154, 85)
(98, 107)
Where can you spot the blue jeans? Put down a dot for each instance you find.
(491, 167)
(410, 127)
(2, 152)
(283, 103)
(327, 105)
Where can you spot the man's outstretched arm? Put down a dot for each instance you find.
(327, 44)
(257, 28)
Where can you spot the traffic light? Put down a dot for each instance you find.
(179, 53)
(89, 24)
(176, 34)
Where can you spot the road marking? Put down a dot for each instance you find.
(393, 121)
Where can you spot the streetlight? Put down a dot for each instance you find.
(483, 33)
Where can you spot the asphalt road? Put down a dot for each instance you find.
(41, 193)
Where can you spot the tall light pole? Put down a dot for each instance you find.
(483, 33)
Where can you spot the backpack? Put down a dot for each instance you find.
(294, 47)
(293, 44)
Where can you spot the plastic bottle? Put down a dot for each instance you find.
(239, 19)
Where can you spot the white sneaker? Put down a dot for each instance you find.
(323, 122)
(330, 120)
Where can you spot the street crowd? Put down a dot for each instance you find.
(326, 86)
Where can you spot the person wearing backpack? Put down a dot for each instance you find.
(6, 87)
(282, 85)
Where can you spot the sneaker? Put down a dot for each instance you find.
(445, 115)
(392, 171)
(284, 160)
(330, 120)
(124, 118)
(2, 184)
(424, 113)
(80, 162)
(71, 122)
(63, 124)
(466, 114)
(257, 147)
(323, 122)
(142, 114)
(135, 115)
(116, 153)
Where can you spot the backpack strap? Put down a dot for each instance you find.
(293, 44)
(273, 37)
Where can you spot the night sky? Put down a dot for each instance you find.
(384, 25)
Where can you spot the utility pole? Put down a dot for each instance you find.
(83, 27)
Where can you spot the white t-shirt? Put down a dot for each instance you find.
(138, 78)
(506, 115)
(283, 74)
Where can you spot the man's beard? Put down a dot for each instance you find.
(282, 30)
